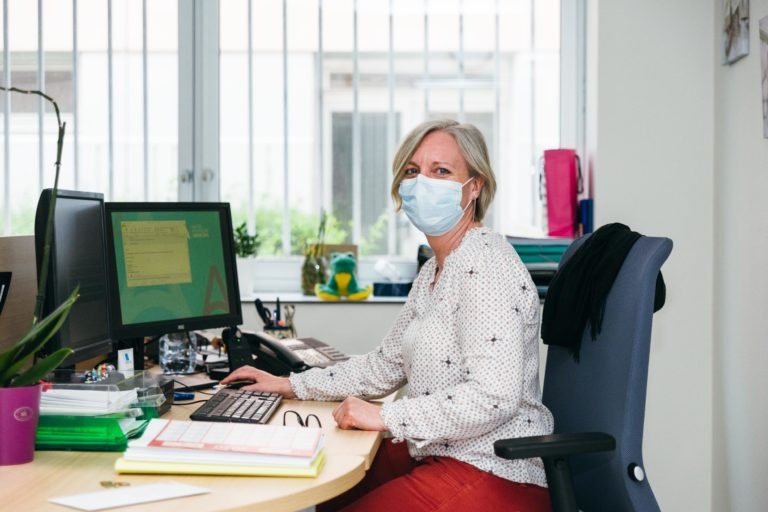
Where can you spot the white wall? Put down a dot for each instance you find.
(741, 282)
(650, 100)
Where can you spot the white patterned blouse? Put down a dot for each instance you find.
(468, 349)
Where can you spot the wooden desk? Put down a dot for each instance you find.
(27, 487)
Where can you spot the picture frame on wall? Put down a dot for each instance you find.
(763, 28)
(735, 20)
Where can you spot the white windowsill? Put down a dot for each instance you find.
(300, 298)
(271, 277)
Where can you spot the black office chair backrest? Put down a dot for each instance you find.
(605, 390)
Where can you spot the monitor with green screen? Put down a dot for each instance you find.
(171, 268)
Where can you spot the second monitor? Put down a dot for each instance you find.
(171, 268)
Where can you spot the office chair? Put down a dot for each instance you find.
(593, 460)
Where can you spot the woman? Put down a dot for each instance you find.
(466, 343)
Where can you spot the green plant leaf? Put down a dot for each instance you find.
(13, 359)
(246, 245)
(41, 368)
(41, 332)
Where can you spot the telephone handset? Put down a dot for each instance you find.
(261, 351)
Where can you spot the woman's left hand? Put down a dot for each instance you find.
(359, 414)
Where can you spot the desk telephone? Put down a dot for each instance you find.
(277, 356)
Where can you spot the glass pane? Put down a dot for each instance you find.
(408, 29)
(479, 25)
(444, 25)
(303, 172)
(93, 128)
(547, 23)
(57, 45)
(260, 189)
(128, 122)
(515, 25)
(23, 169)
(337, 25)
(162, 100)
(233, 107)
(93, 107)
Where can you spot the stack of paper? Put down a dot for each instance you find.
(85, 402)
(210, 448)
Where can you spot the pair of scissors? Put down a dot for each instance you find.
(264, 313)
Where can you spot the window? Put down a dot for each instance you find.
(112, 69)
(316, 94)
(283, 108)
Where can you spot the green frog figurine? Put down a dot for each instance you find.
(342, 282)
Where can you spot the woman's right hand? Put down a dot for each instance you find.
(262, 381)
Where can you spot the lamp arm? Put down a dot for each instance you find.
(43, 277)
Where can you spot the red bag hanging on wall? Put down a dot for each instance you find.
(562, 176)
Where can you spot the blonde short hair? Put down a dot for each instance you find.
(473, 149)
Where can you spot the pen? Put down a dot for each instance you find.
(277, 311)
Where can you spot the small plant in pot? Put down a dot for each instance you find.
(246, 245)
(20, 373)
(246, 249)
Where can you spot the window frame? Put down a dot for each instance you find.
(199, 101)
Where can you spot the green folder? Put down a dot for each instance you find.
(85, 433)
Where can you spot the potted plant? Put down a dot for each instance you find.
(20, 374)
(246, 249)
(246, 245)
(20, 388)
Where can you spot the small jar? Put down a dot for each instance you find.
(178, 352)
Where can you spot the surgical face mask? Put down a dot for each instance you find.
(433, 205)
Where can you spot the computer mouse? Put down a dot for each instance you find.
(238, 384)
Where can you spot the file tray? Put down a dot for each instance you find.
(540, 250)
(541, 256)
(95, 416)
(68, 393)
(81, 433)
(115, 380)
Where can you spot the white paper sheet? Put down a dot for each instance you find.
(85, 402)
(129, 495)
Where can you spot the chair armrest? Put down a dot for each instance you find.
(554, 445)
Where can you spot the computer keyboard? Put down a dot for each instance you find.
(238, 406)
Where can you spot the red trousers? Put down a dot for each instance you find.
(398, 482)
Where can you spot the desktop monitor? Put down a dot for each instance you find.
(171, 268)
(77, 256)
